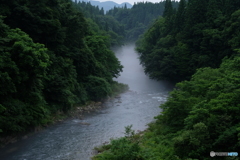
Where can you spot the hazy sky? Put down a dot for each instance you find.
(129, 1)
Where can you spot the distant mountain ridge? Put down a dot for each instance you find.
(107, 5)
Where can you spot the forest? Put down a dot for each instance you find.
(196, 35)
(137, 19)
(53, 57)
(196, 46)
(55, 54)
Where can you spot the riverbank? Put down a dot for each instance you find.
(141, 145)
(58, 117)
(77, 111)
(130, 138)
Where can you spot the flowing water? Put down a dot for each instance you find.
(71, 140)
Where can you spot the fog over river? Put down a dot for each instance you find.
(71, 140)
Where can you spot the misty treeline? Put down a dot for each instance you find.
(122, 23)
(100, 22)
(52, 57)
(197, 44)
(138, 18)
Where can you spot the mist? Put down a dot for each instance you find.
(133, 72)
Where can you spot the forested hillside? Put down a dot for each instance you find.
(200, 45)
(101, 23)
(197, 35)
(52, 58)
(106, 5)
(137, 19)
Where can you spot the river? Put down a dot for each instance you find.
(71, 140)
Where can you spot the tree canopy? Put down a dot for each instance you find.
(138, 18)
(52, 58)
(196, 35)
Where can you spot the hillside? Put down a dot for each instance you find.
(107, 5)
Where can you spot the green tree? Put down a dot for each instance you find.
(168, 9)
(180, 16)
(37, 80)
(23, 69)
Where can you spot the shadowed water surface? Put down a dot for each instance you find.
(71, 140)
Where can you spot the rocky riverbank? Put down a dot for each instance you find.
(76, 112)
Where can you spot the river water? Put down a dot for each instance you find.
(71, 140)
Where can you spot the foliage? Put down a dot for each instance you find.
(51, 61)
(98, 88)
(22, 71)
(105, 24)
(196, 35)
(118, 88)
(122, 148)
(212, 122)
(137, 19)
(106, 60)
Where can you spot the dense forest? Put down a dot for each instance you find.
(137, 19)
(53, 57)
(55, 54)
(198, 44)
(197, 35)
(107, 25)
